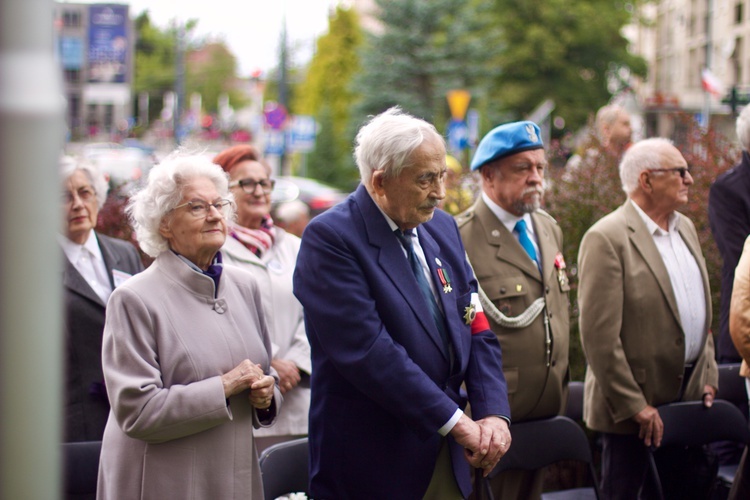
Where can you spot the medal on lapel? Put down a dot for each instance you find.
(470, 314)
(445, 280)
(562, 277)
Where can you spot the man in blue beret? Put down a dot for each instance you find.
(516, 251)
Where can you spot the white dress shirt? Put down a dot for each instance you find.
(88, 260)
(686, 279)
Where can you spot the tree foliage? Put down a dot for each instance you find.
(562, 50)
(426, 48)
(327, 95)
(156, 68)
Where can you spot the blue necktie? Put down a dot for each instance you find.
(416, 268)
(525, 241)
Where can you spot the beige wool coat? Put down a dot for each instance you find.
(537, 382)
(167, 341)
(630, 325)
(274, 273)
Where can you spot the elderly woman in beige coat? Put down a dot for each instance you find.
(270, 254)
(186, 352)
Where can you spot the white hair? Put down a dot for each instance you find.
(641, 156)
(607, 116)
(743, 128)
(291, 211)
(68, 166)
(387, 141)
(163, 192)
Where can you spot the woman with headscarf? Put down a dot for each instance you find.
(186, 352)
(270, 253)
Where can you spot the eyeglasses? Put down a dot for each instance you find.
(84, 194)
(249, 185)
(200, 209)
(682, 170)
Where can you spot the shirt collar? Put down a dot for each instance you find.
(673, 224)
(73, 250)
(508, 219)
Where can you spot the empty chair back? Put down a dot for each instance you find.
(284, 468)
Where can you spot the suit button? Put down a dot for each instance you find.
(554, 363)
(550, 315)
(546, 290)
(502, 290)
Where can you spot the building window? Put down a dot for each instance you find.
(738, 12)
(71, 19)
(72, 76)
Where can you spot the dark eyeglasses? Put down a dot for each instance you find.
(249, 185)
(682, 170)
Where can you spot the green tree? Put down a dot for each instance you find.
(327, 95)
(154, 62)
(563, 50)
(426, 48)
(211, 72)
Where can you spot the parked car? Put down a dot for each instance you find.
(120, 164)
(315, 194)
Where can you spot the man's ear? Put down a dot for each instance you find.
(644, 179)
(378, 181)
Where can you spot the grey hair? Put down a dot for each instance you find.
(743, 128)
(163, 192)
(643, 155)
(607, 115)
(387, 141)
(291, 211)
(68, 166)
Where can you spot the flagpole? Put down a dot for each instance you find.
(706, 91)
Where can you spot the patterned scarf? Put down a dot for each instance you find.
(256, 240)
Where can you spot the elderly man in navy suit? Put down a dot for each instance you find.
(395, 328)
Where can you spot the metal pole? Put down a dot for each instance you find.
(31, 137)
(709, 50)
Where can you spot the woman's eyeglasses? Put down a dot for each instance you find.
(249, 185)
(200, 209)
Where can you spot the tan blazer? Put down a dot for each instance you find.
(630, 325)
(512, 282)
(739, 309)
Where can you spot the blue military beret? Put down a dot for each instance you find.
(505, 140)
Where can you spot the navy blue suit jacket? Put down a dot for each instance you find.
(381, 380)
(729, 215)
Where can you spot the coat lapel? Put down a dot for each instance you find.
(644, 243)
(547, 245)
(73, 280)
(393, 263)
(508, 247)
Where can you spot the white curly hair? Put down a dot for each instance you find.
(163, 192)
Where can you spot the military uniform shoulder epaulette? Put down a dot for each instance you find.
(464, 217)
(542, 212)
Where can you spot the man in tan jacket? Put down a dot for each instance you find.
(525, 294)
(645, 312)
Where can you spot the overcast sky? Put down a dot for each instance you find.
(251, 28)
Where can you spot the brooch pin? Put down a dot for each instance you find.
(445, 280)
(560, 266)
(470, 314)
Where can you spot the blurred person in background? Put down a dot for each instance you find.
(94, 265)
(186, 350)
(457, 196)
(292, 216)
(729, 215)
(613, 134)
(270, 254)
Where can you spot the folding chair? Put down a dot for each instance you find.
(574, 406)
(691, 424)
(81, 468)
(731, 388)
(539, 443)
(284, 468)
